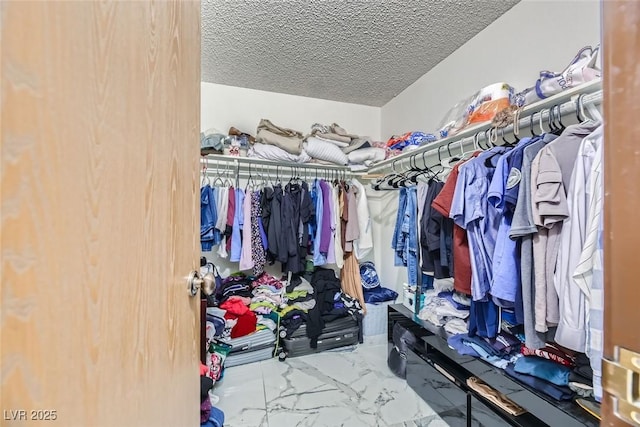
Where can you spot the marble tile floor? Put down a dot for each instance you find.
(352, 387)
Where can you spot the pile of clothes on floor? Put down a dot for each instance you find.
(240, 327)
(331, 304)
(245, 313)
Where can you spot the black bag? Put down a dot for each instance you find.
(212, 300)
(397, 360)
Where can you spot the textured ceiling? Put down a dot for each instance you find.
(364, 51)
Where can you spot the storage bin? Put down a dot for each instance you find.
(375, 321)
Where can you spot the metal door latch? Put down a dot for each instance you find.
(621, 379)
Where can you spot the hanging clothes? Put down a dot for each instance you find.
(257, 247)
(405, 241)
(553, 168)
(523, 228)
(363, 245)
(436, 236)
(352, 223)
(336, 225)
(208, 218)
(460, 245)
(246, 259)
(572, 328)
(319, 257)
(350, 279)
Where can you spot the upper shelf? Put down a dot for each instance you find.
(561, 98)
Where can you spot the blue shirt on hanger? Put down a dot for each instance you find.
(501, 195)
(471, 211)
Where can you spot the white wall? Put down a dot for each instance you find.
(225, 106)
(534, 35)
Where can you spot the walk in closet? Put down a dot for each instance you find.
(486, 227)
(339, 213)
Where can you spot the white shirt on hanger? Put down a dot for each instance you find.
(571, 331)
(363, 245)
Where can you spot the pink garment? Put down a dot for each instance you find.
(246, 261)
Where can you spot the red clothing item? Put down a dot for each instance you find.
(461, 257)
(234, 306)
(246, 324)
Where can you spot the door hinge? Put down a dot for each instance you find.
(621, 379)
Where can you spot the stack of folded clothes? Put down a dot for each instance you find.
(442, 309)
(410, 140)
(278, 143)
(267, 300)
(333, 144)
(498, 351)
(300, 299)
(544, 375)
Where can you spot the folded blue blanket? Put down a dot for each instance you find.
(544, 369)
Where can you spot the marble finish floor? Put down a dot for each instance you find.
(352, 387)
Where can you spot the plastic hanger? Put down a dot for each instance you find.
(556, 125)
(509, 143)
(580, 109)
(218, 182)
(205, 176)
(533, 134)
(559, 117)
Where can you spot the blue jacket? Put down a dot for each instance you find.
(208, 217)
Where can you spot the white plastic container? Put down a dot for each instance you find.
(375, 321)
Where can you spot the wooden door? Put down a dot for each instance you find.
(621, 51)
(100, 129)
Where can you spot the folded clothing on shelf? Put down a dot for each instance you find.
(274, 153)
(319, 149)
(288, 139)
(366, 156)
(550, 389)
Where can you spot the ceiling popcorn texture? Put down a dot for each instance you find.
(363, 52)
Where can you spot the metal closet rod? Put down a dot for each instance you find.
(463, 144)
(212, 159)
(566, 96)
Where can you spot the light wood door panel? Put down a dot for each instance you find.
(621, 63)
(99, 196)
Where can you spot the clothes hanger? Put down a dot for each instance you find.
(562, 126)
(551, 122)
(509, 143)
(381, 183)
(218, 182)
(558, 128)
(250, 182)
(533, 134)
(580, 115)
(542, 131)
(227, 176)
(205, 176)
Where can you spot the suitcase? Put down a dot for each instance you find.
(255, 341)
(250, 348)
(244, 357)
(338, 333)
